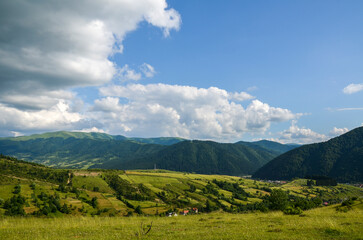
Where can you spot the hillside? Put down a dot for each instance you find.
(32, 189)
(100, 150)
(340, 158)
(73, 152)
(270, 146)
(95, 136)
(204, 157)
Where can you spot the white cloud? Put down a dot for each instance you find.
(126, 74)
(338, 131)
(242, 96)
(353, 88)
(58, 117)
(51, 44)
(299, 135)
(48, 47)
(302, 135)
(148, 70)
(184, 111)
(92, 129)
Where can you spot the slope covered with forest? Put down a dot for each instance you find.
(340, 158)
(202, 157)
(100, 150)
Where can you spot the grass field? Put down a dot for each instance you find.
(148, 195)
(175, 185)
(321, 223)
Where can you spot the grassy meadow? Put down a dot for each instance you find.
(43, 203)
(320, 223)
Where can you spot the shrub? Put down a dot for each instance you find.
(292, 211)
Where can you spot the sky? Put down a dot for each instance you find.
(287, 71)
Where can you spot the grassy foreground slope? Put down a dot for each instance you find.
(319, 224)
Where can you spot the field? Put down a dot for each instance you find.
(320, 223)
(43, 203)
(152, 192)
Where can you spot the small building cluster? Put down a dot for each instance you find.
(184, 212)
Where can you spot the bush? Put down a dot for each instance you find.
(292, 211)
(17, 189)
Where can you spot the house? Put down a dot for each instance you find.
(185, 212)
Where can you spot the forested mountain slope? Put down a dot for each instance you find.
(202, 157)
(340, 158)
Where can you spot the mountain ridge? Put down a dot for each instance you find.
(99, 150)
(340, 157)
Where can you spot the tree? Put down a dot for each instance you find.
(94, 202)
(278, 199)
(138, 210)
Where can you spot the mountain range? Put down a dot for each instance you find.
(100, 150)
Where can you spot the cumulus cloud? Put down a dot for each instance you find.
(302, 135)
(337, 131)
(295, 134)
(51, 44)
(58, 117)
(242, 96)
(353, 88)
(48, 47)
(185, 111)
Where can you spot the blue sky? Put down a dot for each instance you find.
(299, 64)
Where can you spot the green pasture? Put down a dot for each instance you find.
(90, 182)
(321, 223)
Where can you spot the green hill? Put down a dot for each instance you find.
(65, 135)
(270, 146)
(95, 136)
(75, 152)
(201, 157)
(14, 170)
(33, 189)
(340, 158)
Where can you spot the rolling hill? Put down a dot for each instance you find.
(33, 189)
(204, 157)
(75, 152)
(340, 158)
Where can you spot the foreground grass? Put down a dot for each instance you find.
(322, 223)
